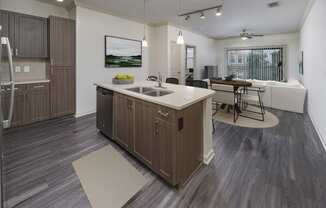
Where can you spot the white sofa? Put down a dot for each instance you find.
(288, 96)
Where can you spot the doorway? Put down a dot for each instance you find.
(190, 65)
(175, 58)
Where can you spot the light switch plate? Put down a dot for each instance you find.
(18, 69)
(27, 68)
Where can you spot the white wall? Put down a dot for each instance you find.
(33, 7)
(291, 41)
(92, 26)
(158, 39)
(313, 44)
(205, 49)
(164, 35)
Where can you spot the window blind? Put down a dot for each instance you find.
(256, 63)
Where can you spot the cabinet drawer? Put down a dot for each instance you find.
(38, 86)
(164, 113)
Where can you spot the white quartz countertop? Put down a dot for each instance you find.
(32, 81)
(182, 96)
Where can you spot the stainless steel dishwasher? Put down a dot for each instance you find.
(104, 111)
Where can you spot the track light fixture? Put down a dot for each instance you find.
(202, 15)
(201, 12)
(218, 11)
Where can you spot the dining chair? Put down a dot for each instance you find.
(152, 78)
(199, 83)
(172, 80)
(251, 96)
(203, 84)
(225, 94)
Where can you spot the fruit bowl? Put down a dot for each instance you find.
(123, 79)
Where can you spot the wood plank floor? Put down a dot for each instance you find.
(280, 167)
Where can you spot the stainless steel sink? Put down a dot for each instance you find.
(141, 90)
(150, 91)
(158, 93)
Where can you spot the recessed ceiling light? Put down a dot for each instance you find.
(60, 0)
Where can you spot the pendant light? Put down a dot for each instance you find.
(144, 41)
(180, 40)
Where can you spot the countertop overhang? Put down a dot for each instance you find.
(181, 98)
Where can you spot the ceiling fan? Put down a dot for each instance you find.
(245, 35)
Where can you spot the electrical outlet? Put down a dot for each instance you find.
(27, 68)
(18, 69)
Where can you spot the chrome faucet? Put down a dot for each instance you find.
(160, 81)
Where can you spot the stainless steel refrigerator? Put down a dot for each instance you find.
(8, 88)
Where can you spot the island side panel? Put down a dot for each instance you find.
(207, 133)
(189, 141)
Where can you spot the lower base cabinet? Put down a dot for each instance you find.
(31, 104)
(167, 141)
(37, 103)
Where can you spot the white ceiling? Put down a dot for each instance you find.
(237, 14)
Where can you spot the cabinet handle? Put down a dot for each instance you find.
(16, 51)
(38, 86)
(51, 61)
(163, 114)
(156, 123)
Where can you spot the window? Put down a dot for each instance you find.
(190, 56)
(256, 63)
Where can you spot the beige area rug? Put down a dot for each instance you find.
(270, 119)
(107, 178)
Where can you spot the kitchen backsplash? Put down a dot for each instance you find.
(25, 69)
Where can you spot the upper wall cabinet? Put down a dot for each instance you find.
(28, 34)
(62, 41)
(31, 40)
(4, 22)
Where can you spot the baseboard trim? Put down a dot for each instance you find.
(322, 139)
(78, 115)
(209, 157)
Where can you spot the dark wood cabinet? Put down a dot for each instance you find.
(28, 34)
(31, 103)
(124, 120)
(62, 91)
(62, 42)
(31, 36)
(165, 138)
(19, 117)
(104, 113)
(62, 66)
(167, 141)
(4, 22)
(144, 132)
(37, 102)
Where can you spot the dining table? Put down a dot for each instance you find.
(236, 85)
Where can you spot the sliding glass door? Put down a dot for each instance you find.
(256, 63)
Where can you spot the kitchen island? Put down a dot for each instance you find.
(169, 129)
